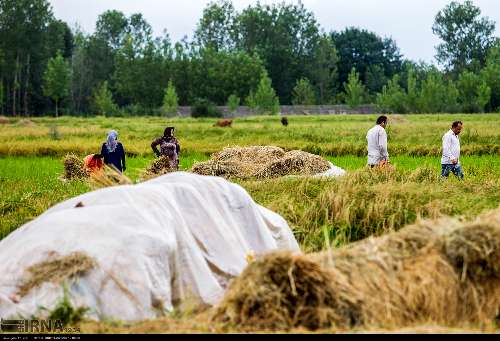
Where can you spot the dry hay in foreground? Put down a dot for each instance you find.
(74, 168)
(110, 176)
(261, 162)
(158, 167)
(444, 272)
(56, 269)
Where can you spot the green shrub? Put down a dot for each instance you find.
(204, 108)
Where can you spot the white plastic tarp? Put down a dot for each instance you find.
(175, 237)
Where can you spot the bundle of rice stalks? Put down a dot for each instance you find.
(74, 168)
(158, 167)
(4, 120)
(294, 162)
(108, 177)
(475, 249)
(398, 280)
(56, 269)
(261, 162)
(217, 168)
(264, 154)
(280, 291)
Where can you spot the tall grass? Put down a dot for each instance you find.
(336, 135)
(367, 203)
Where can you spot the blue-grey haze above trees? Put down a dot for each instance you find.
(276, 54)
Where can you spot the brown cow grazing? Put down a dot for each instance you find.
(224, 123)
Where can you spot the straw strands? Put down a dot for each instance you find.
(444, 272)
(261, 162)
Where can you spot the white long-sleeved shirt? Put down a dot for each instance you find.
(377, 145)
(451, 148)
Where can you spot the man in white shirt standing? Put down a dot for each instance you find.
(450, 162)
(377, 144)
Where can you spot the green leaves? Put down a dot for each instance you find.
(466, 36)
(354, 90)
(303, 93)
(170, 100)
(265, 100)
(56, 79)
(103, 101)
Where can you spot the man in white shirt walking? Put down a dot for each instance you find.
(450, 162)
(377, 144)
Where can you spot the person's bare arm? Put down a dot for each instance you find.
(154, 146)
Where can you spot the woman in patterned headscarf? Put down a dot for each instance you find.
(113, 152)
(169, 146)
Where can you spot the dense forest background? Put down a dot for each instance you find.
(262, 56)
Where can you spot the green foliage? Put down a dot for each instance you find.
(436, 95)
(411, 92)
(265, 100)
(466, 36)
(204, 108)
(324, 71)
(57, 79)
(233, 102)
(285, 36)
(303, 93)
(103, 101)
(371, 55)
(393, 97)
(215, 29)
(474, 93)
(2, 95)
(491, 75)
(170, 100)
(66, 313)
(221, 74)
(354, 90)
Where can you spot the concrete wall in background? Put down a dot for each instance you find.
(294, 110)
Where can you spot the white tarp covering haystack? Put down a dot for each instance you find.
(180, 236)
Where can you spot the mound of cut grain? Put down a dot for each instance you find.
(261, 162)
(443, 272)
(158, 167)
(4, 120)
(74, 168)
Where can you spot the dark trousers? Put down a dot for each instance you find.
(455, 169)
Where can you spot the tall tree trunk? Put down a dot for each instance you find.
(26, 86)
(57, 112)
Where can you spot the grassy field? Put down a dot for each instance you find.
(362, 204)
(417, 135)
(350, 209)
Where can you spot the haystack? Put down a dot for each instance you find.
(74, 168)
(261, 162)
(158, 167)
(4, 120)
(411, 277)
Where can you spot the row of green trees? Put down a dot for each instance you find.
(262, 56)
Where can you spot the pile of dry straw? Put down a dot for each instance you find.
(261, 162)
(74, 168)
(158, 167)
(445, 272)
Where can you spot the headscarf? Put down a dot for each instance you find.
(112, 142)
(169, 132)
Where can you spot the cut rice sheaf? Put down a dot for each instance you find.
(261, 162)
